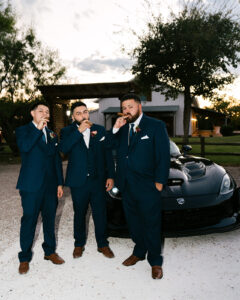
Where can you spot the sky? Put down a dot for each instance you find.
(89, 34)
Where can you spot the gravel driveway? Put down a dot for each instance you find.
(202, 267)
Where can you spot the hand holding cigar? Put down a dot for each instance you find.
(42, 123)
(89, 123)
(121, 121)
(122, 115)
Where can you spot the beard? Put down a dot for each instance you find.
(79, 122)
(133, 118)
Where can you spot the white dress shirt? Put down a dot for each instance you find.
(86, 136)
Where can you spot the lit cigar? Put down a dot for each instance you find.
(122, 115)
(89, 123)
(45, 120)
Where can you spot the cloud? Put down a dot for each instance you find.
(99, 65)
(87, 13)
(32, 10)
(79, 16)
(29, 2)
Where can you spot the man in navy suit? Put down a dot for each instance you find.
(40, 184)
(90, 170)
(143, 160)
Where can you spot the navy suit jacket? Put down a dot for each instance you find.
(39, 160)
(148, 155)
(73, 144)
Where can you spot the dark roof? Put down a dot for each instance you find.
(207, 111)
(89, 90)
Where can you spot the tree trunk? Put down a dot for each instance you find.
(10, 138)
(186, 114)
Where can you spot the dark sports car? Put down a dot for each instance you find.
(199, 198)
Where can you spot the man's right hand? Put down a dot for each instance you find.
(120, 122)
(42, 124)
(84, 125)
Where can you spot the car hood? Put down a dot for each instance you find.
(191, 175)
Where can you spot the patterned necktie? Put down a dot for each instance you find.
(131, 133)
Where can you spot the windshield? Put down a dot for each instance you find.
(174, 150)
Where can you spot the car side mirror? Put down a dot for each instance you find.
(186, 149)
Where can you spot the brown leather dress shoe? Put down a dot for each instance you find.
(78, 251)
(157, 272)
(23, 267)
(131, 260)
(55, 259)
(106, 251)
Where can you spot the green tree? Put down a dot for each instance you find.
(192, 53)
(12, 115)
(229, 106)
(24, 64)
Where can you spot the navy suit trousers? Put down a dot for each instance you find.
(92, 192)
(44, 201)
(142, 207)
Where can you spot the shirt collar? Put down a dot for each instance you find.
(34, 124)
(136, 122)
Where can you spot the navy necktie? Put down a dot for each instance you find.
(131, 133)
(44, 137)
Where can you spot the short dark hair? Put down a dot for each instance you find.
(37, 103)
(76, 104)
(130, 96)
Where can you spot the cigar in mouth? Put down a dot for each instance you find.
(122, 115)
(89, 123)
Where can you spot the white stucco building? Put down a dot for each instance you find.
(203, 122)
(170, 111)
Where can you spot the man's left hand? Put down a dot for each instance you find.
(109, 184)
(60, 191)
(159, 186)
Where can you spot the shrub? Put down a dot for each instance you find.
(226, 130)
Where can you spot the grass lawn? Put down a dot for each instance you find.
(6, 155)
(220, 159)
(221, 139)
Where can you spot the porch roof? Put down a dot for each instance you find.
(159, 108)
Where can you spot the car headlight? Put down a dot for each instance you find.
(226, 185)
(115, 193)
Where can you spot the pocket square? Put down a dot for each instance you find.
(144, 137)
(56, 144)
(102, 139)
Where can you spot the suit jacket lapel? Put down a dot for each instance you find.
(125, 133)
(75, 127)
